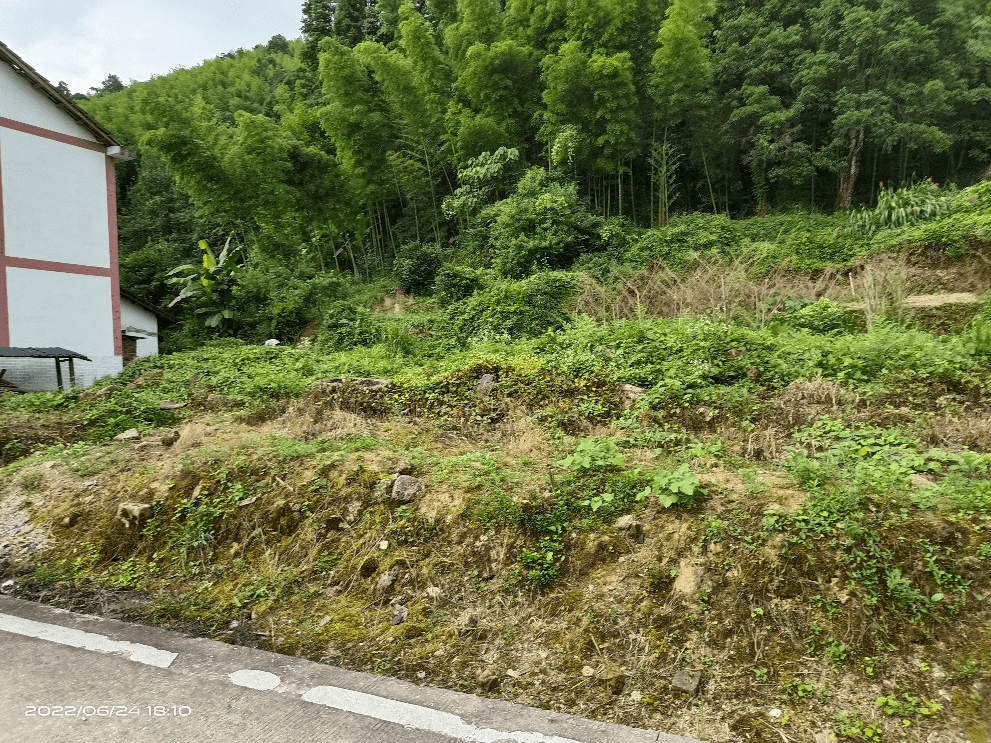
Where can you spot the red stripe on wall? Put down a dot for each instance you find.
(114, 259)
(20, 126)
(36, 265)
(4, 314)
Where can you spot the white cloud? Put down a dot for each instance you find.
(140, 38)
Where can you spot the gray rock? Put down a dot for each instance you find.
(630, 393)
(632, 527)
(387, 578)
(128, 435)
(406, 488)
(920, 482)
(399, 614)
(171, 405)
(686, 681)
(489, 680)
(133, 513)
(486, 383)
(384, 487)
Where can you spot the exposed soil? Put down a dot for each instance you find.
(313, 559)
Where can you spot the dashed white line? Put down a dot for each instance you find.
(421, 718)
(87, 640)
(260, 680)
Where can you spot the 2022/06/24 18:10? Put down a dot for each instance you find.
(108, 710)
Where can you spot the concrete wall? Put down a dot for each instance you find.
(59, 309)
(20, 102)
(54, 201)
(138, 322)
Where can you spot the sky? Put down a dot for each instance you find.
(82, 41)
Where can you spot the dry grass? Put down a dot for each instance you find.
(738, 289)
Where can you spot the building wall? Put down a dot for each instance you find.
(54, 201)
(58, 240)
(71, 311)
(138, 322)
(20, 102)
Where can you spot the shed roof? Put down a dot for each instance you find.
(41, 353)
(66, 104)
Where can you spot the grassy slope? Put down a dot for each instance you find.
(826, 554)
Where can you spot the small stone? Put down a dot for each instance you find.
(326, 620)
(920, 482)
(383, 488)
(128, 435)
(630, 393)
(421, 674)
(384, 544)
(272, 342)
(69, 521)
(234, 625)
(686, 681)
(632, 527)
(775, 714)
(488, 680)
(402, 467)
(433, 592)
(513, 673)
(588, 671)
(636, 696)
(6, 586)
(133, 513)
(406, 488)
(170, 439)
(49, 465)
(399, 613)
(171, 405)
(486, 383)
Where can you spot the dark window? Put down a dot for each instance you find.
(130, 347)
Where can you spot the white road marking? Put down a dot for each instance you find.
(87, 640)
(260, 680)
(421, 718)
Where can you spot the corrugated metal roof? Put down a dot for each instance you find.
(69, 106)
(41, 353)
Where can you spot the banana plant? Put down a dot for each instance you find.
(211, 283)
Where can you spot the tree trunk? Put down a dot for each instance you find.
(848, 176)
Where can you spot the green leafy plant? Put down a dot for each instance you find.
(211, 284)
(901, 207)
(676, 486)
(594, 453)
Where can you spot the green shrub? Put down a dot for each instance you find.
(543, 225)
(415, 266)
(347, 325)
(683, 237)
(454, 283)
(512, 309)
(824, 317)
(919, 202)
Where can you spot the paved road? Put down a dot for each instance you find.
(68, 677)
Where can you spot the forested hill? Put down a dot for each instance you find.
(394, 123)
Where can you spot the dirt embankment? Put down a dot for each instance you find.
(463, 557)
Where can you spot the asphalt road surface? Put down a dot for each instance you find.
(67, 677)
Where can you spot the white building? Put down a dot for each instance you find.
(139, 327)
(59, 282)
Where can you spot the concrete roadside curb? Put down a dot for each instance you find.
(457, 715)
